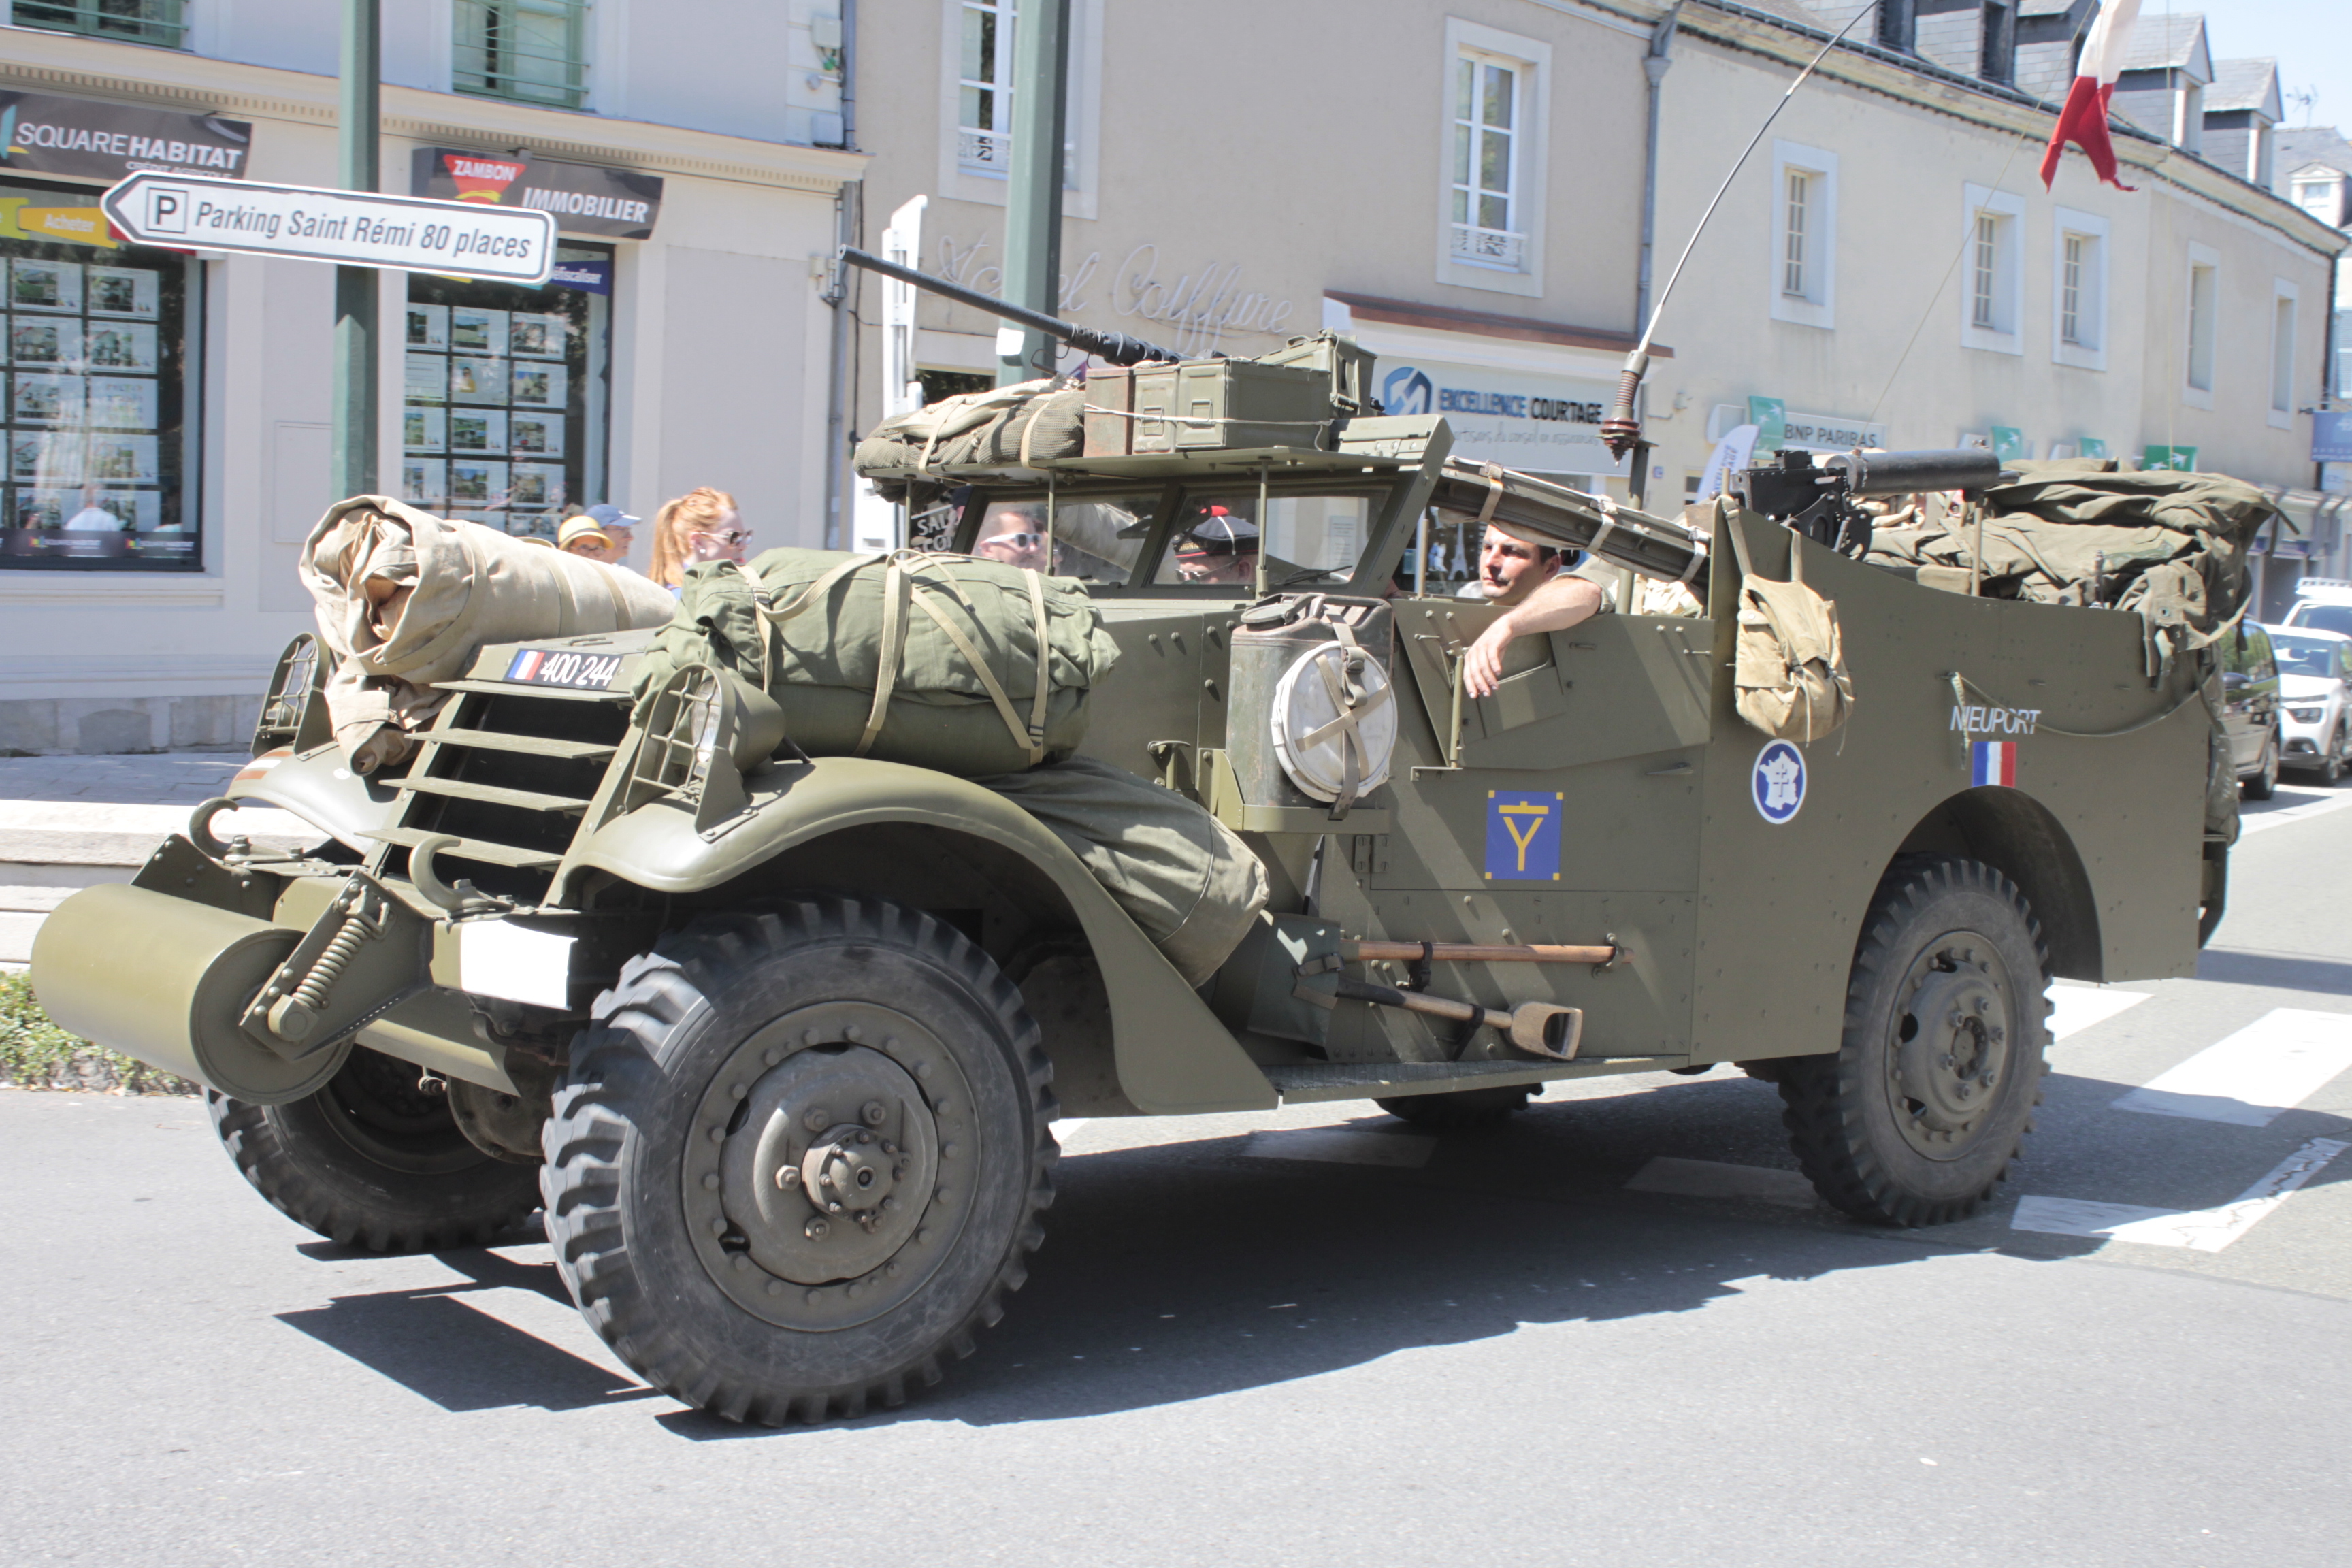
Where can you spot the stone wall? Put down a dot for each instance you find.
(87, 726)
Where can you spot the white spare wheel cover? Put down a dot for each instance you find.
(1305, 709)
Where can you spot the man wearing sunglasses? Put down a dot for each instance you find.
(1014, 535)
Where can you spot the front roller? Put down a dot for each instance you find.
(165, 980)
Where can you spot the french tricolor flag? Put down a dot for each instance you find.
(2084, 120)
(526, 663)
(1993, 762)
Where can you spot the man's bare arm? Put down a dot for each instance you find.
(1554, 606)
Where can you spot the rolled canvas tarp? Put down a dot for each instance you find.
(406, 599)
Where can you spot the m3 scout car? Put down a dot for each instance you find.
(777, 1041)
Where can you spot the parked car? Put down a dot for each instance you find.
(2315, 699)
(2249, 709)
(2322, 603)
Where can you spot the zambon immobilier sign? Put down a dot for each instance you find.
(348, 229)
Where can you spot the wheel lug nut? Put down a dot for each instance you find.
(711, 1181)
(873, 1113)
(736, 1090)
(864, 1138)
(816, 1119)
(786, 1176)
(815, 1228)
(890, 1205)
(1948, 1059)
(853, 1033)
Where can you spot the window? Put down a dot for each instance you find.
(1997, 57)
(1805, 234)
(984, 86)
(1490, 224)
(1792, 249)
(1992, 262)
(976, 89)
(127, 21)
(2078, 334)
(504, 418)
(2284, 301)
(1485, 162)
(2323, 199)
(2204, 304)
(99, 427)
(1898, 24)
(533, 51)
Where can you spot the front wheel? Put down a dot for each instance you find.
(372, 1160)
(800, 1157)
(2331, 761)
(2263, 783)
(1915, 1117)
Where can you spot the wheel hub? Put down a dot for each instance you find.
(1951, 1047)
(813, 1181)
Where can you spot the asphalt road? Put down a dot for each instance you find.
(1310, 1338)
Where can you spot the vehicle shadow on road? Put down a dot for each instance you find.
(1180, 1272)
(2279, 971)
(433, 1342)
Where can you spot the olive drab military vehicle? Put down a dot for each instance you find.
(776, 1041)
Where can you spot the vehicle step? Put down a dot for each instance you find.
(529, 745)
(494, 795)
(480, 849)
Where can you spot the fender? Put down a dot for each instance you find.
(1174, 1056)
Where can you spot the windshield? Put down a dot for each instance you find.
(2325, 618)
(1306, 539)
(1094, 541)
(2307, 656)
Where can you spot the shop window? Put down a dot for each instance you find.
(1991, 268)
(2204, 309)
(98, 358)
(533, 51)
(2079, 282)
(1805, 234)
(1491, 235)
(505, 417)
(2284, 300)
(163, 22)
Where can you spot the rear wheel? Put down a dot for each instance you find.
(373, 1161)
(1914, 1119)
(1461, 1111)
(801, 1158)
(2331, 761)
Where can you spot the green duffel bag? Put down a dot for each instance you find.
(932, 661)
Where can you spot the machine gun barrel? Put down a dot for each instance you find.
(1117, 348)
(1906, 473)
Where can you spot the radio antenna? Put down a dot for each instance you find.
(1620, 430)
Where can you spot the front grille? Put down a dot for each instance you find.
(510, 775)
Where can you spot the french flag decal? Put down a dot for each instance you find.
(1993, 762)
(526, 663)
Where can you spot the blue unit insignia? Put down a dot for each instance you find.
(1522, 836)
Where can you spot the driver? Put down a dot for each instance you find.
(1527, 580)
(1014, 535)
(1220, 548)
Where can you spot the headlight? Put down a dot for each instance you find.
(2306, 715)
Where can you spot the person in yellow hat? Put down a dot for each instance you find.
(602, 532)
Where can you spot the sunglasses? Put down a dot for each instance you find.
(1017, 541)
(725, 536)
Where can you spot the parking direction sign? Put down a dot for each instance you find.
(348, 228)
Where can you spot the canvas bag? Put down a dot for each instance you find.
(457, 587)
(1023, 424)
(928, 659)
(1790, 676)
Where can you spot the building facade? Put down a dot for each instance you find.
(167, 412)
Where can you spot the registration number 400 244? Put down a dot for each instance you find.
(556, 667)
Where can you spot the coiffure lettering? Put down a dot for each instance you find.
(1513, 406)
(123, 144)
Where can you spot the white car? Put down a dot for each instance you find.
(2315, 699)
(2322, 603)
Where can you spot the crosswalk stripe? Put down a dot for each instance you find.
(2271, 1066)
(2074, 1008)
(2199, 1230)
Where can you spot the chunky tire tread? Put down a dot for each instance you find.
(354, 1206)
(613, 1065)
(1824, 1095)
(1462, 1111)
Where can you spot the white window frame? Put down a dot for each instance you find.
(2282, 357)
(2007, 209)
(2201, 257)
(1081, 180)
(1530, 179)
(1817, 306)
(2065, 223)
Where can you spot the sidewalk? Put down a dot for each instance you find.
(72, 822)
